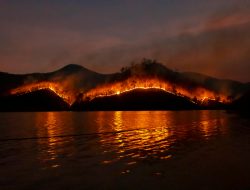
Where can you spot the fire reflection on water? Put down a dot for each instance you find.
(128, 137)
(210, 127)
(136, 136)
(51, 146)
(152, 135)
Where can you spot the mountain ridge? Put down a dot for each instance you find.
(80, 80)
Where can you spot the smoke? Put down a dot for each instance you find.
(215, 42)
(219, 47)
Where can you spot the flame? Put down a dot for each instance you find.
(66, 95)
(197, 95)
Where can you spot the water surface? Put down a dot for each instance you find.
(124, 150)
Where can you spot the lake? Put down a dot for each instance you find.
(124, 150)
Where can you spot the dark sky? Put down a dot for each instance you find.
(206, 36)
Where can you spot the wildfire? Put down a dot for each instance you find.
(55, 87)
(197, 95)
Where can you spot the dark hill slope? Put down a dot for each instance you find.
(153, 99)
(41, 100)
(243, 103)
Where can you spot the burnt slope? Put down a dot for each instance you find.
(243, 103)
(139, 99)
(41, 100)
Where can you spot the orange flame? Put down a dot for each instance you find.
(67, 96)
(196, 95)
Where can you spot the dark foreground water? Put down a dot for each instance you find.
(124, 150)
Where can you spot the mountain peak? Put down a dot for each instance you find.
(72, 68)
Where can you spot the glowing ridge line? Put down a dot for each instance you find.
(143, 88)
(19, 91)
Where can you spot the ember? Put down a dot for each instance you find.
(66, 95)
(197, 95)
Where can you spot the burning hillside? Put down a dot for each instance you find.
(197, 95)
(138, 99)
(38, 100)
(58, 89)
(82, 85)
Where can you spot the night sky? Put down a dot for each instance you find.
(206, 36)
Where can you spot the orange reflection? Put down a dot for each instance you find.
(136, 136)
(210, 124)
(153, 134)
(47, 125)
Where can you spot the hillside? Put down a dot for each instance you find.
(75, 82)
